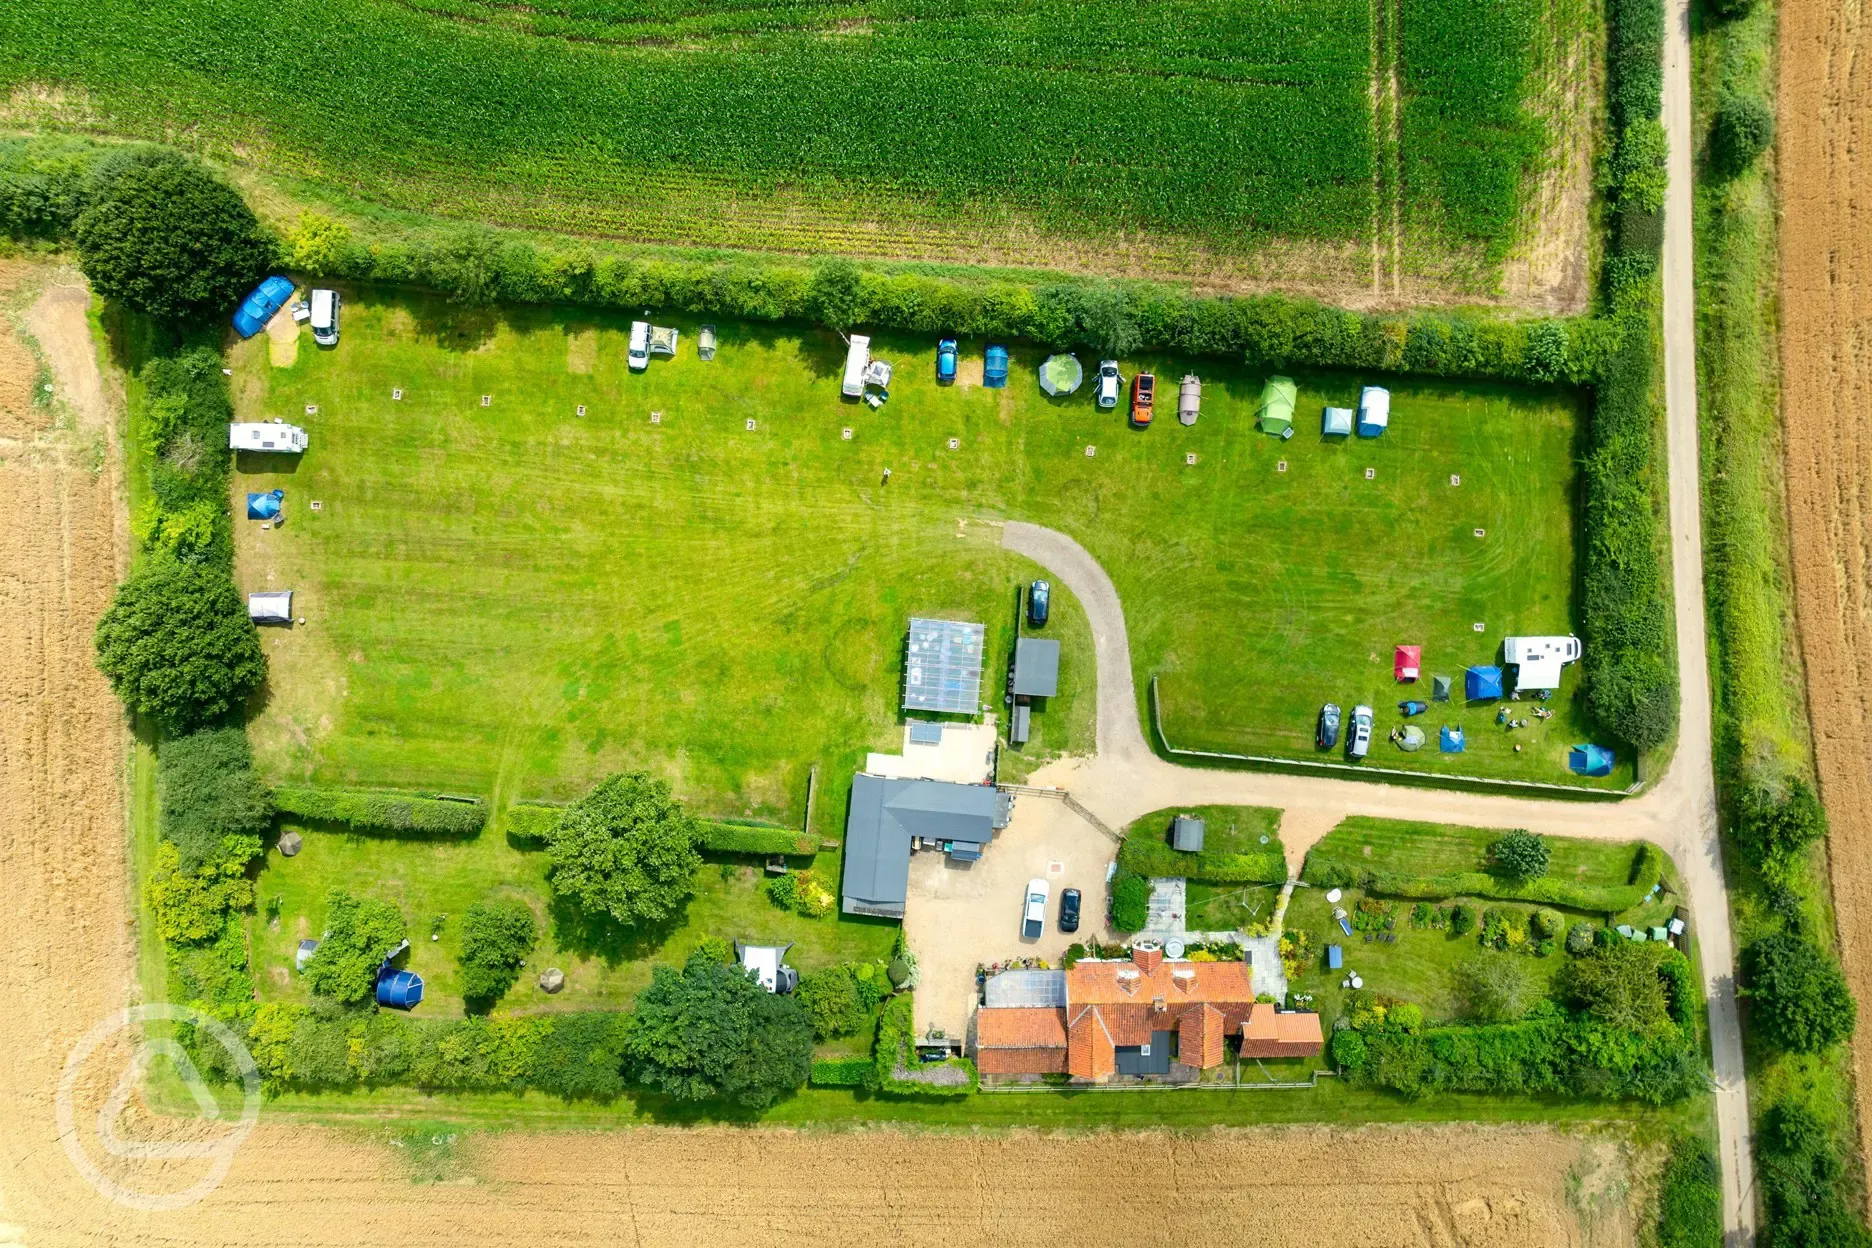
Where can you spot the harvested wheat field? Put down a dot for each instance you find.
(1826, 357)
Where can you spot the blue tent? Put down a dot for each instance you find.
(265, 506)
(1590, 760)
(1482, 683)
(1450, 740)
(994, 368)
(399, 989)
(258, 308)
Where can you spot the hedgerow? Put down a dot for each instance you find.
(745, 838)
(1647, 870)
(382, 810)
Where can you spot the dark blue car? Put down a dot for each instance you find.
(258, 308)
(946, 360)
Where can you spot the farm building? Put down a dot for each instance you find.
(1036, 667)
(890, 817)
(1142, 1018)
(1374, 411)
(266, 435)
(943, 668)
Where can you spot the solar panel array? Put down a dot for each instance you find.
(943, 669)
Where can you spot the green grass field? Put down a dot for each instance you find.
(1412, 848)
(514, 599)
(823, 125)
(604, 968)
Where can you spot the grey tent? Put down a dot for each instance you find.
(271, 607)
(1411, 739)
(1061, 374)
(1337, 422)
(1439, 688)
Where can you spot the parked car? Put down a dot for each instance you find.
(1069, 910)
(946, 360)
(1358, 740)
(639, 354)
(1143, 395)
(995, 367)
(1327, 734)
(705, 344)
(1033, 918)
(325, 317)
(258, 307)
(1039, 599)
(1109, 384)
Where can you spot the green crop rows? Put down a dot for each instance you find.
(821, 126)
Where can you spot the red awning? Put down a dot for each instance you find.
(1407, 664)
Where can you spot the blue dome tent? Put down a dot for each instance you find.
(1482, 683)
(402, 990)
(265, 506)
(1450, 740)
(1589, 760)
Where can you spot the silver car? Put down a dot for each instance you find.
(1109, 384)
(1358, 741)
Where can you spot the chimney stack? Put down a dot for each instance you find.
(1127, 978)
(1148, 955)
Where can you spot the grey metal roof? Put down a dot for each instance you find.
(1186, 833)
(885, 814)
(1036, 667)
(943, 667)
(1042, 989)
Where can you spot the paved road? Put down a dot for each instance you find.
(1126, 779)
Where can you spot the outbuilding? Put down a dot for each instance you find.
(1036, 667)
(1186, 834)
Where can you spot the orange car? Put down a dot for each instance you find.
(1143, 394)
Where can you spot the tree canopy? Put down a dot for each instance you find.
(1618, 984)
(496, 940)
(1523, 855)
(210, 791)
(1798, 994)
(711, 1032)
(627, 849)
(169, 238)
(359, 935)
(177, 645)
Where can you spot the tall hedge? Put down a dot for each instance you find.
(381, 810)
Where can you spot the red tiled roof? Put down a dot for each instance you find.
(1176, 982)
(1199, 1037)
(1089, 1044)
(1021, 1061)
(1268, 1032)
(1020, 1027)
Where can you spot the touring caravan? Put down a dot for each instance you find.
(855, 361)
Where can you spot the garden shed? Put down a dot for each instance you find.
(1186, 834)
(1374, 411)
(1336, 423)
(1275, 414)
(1482, 683)
(1036, 667)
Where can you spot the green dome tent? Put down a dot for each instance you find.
(1277, 405)
(1061, 374)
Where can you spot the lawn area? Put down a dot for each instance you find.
(514, 599)
(604, 969)
(1444, 849)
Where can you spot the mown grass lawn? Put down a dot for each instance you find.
(440, 879)
(518, 599)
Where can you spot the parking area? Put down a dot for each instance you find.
(959, 916)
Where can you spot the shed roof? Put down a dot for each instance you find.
(1036, 667)
(1186, 833)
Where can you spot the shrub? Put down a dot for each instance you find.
(1639, 166)
(532, 822)
(381, 810)
(1130, 902)
(209, 792)
(1545, 924)
(1776, 828)
(1618, 985)
(626, 850)
(710, 1032)
(1636, 55)
(831, 1000)
(841, 1072)
(802, 893)
(1493, 989)
(1729, 10)
(894, 1068)
(496, 940)
(1521, 854)
(1742, 130)
(1647, 870)
(1461, 919)
(899, 969)
(1800, 1172)
(1151, 856)
(176, 644)
(1797, 993)
(169, 238)
(1690, 1196)
(317, 244)
(1348, 1050)
(359, 935)
(715, 948)
(1579, 938)
(582, 1057)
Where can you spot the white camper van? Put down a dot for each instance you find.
(325, 317)
(855, 361)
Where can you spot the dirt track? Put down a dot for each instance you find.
(1826, 298)
(66, 961)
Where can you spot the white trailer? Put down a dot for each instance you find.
(269, 435)
(856, 360)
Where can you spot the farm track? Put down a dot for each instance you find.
(1826, 363)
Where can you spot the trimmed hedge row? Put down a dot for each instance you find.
(1647, 870)
(532, 821)
(382, 810)
(750, 838)
(841, 1072)
(1152, 856)
(1635, 30)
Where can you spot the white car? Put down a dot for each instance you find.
(1033, 918)
(1109, 384)
(1358, 741)
(639, 355)
(325, 317)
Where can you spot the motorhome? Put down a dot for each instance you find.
(856, 360)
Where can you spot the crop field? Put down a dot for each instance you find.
(514, 599)
(909, 127)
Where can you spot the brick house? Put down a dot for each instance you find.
(1143, 1018)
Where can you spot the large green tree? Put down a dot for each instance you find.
(711, 1032)
(177, 645)
(210, 791)
(1798, 995)
(627, 850)
(1521, 854)
(496, 940)
(1619, 985)
(169, 238)
(359, 934)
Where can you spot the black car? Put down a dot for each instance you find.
(1327, 734)
(1039, 598)
(1069, 910)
